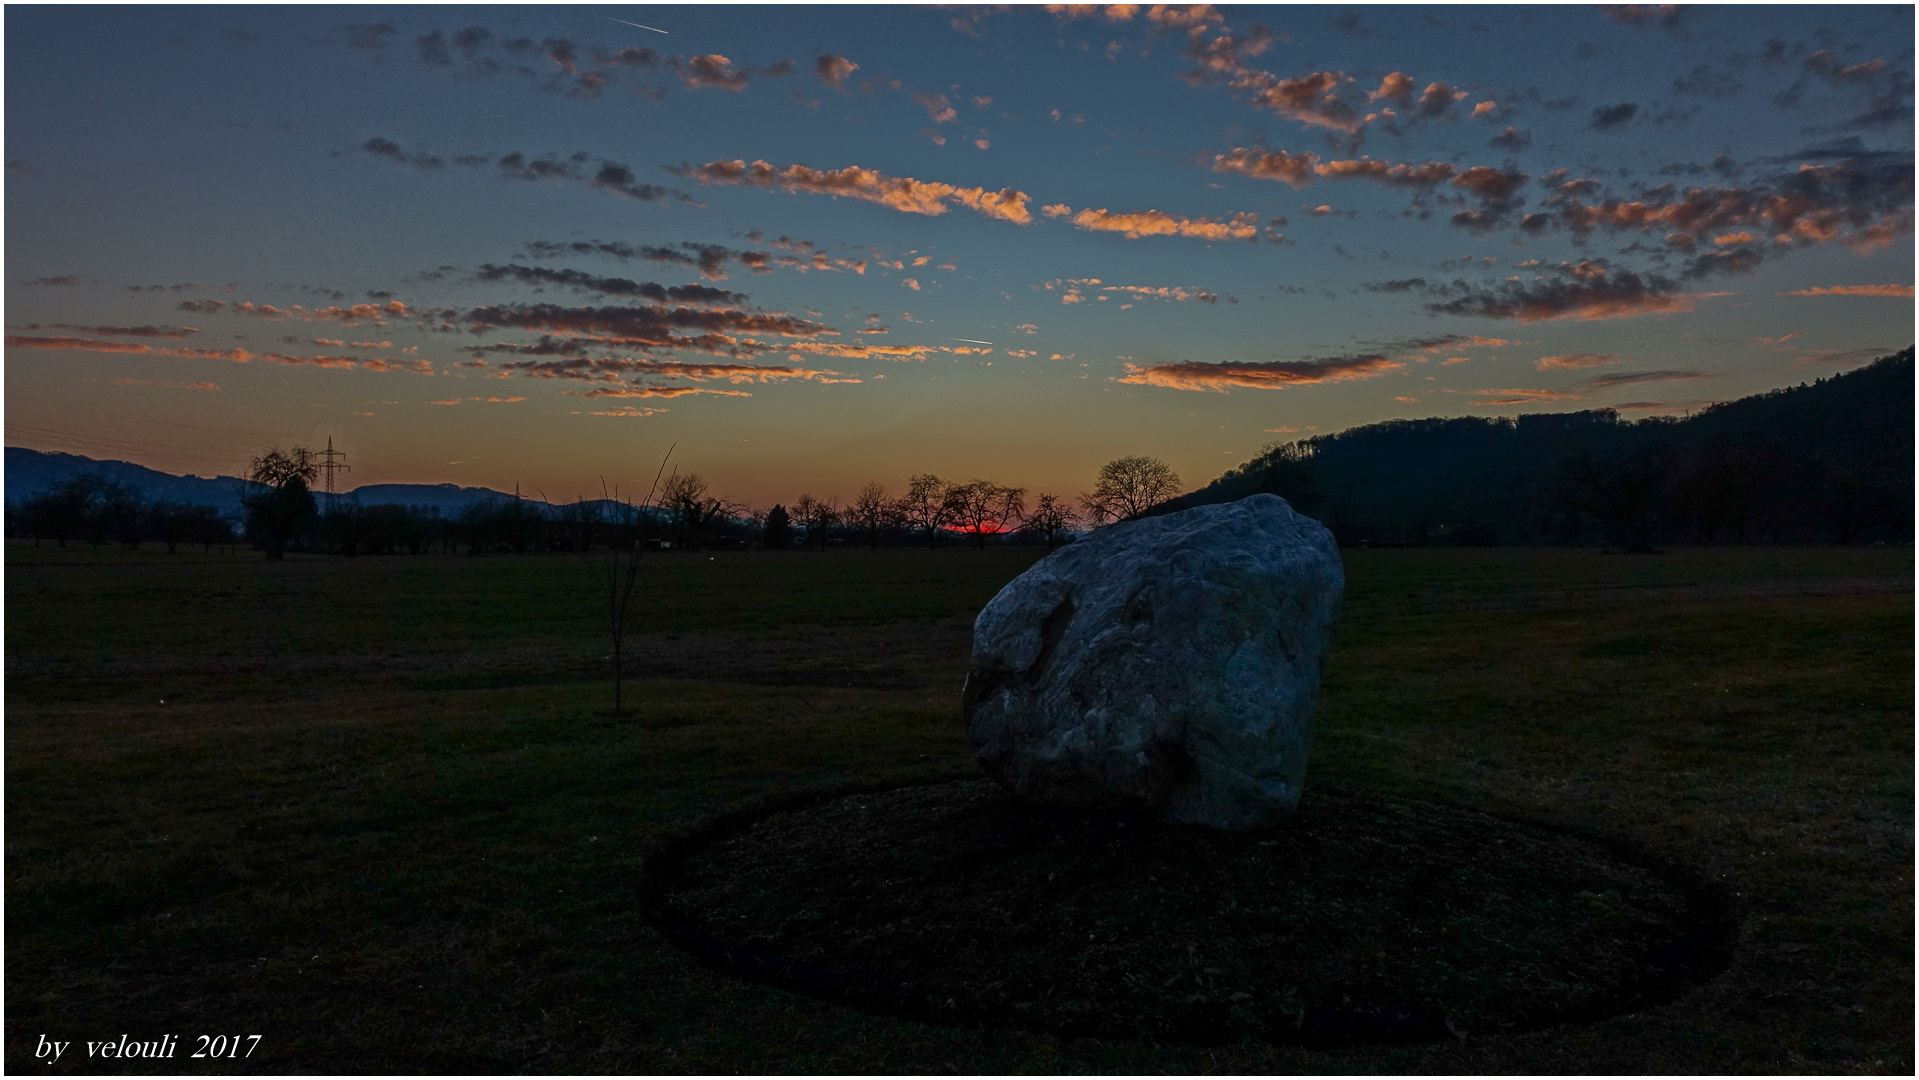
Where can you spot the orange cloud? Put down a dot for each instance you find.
(1193, 375)
(348, 316)
(630, 410)
(1492, 398)
(1399, 176)
(1456, 341)
(168, 385)
(417, 367)
(1578, 360)
(1165, 16)
(711, 71)
(904, 194)
(1302, 168)
(1309, 99)
(238, 356)
(654, 391)
(1242, 226)
(1072, 288)
(1905, 291)
(1294, 169)
(1397, 86)
(611, 368)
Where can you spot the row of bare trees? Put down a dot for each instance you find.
(979, 509)
(684, 512)
(98, 511)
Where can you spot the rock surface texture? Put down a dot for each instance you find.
(1169, 664)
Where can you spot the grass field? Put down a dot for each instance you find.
(376, 811)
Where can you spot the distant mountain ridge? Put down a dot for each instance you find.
(29, 472)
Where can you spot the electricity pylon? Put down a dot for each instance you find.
(329, 466)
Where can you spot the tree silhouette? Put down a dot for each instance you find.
(983, 508)
(1128, 487)
(871, 511)
(817, 515)
(777, 534)
(695, 511)
(924, 506)
(1050, 517)
(279, 499)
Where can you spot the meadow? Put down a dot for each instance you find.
(377, 811)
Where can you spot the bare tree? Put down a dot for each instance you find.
(871, 511)
(279, 498)
(817, 516)
(695, 511)
(618, 570)
(983, 508)
(1051, 516)
(924, 506)
(1128, 487)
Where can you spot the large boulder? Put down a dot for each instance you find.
(1169, 664)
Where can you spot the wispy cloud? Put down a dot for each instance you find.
(238, 356)
(629, 410)
(709, 259)
(1073, 291)
(175, 332)
(1865, 203)
(615, 368)
(1135, 224)
(703, 295)
(1587, 292)
(1218, 377)
(1301, 169)
(1585, 390)
(345, 315)
(656, 392)
(167, 385)
(1575, 361)
(1905, 291)
(902, 193)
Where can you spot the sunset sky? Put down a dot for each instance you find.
(815, 246)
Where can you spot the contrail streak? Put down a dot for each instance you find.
(642, 26)
(975, 341)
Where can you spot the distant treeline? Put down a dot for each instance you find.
(1829, 462)
(92, 510)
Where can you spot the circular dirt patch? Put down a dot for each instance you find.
(1366, 918)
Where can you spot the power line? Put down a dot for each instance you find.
(107, 441)
(141, 419)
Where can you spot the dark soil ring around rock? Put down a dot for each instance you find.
(1365, 919)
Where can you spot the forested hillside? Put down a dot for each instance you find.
(1829, 461)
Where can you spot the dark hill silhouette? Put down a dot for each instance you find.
(30, 472)
(1825, 461)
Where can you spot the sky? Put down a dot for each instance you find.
(809, 247)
